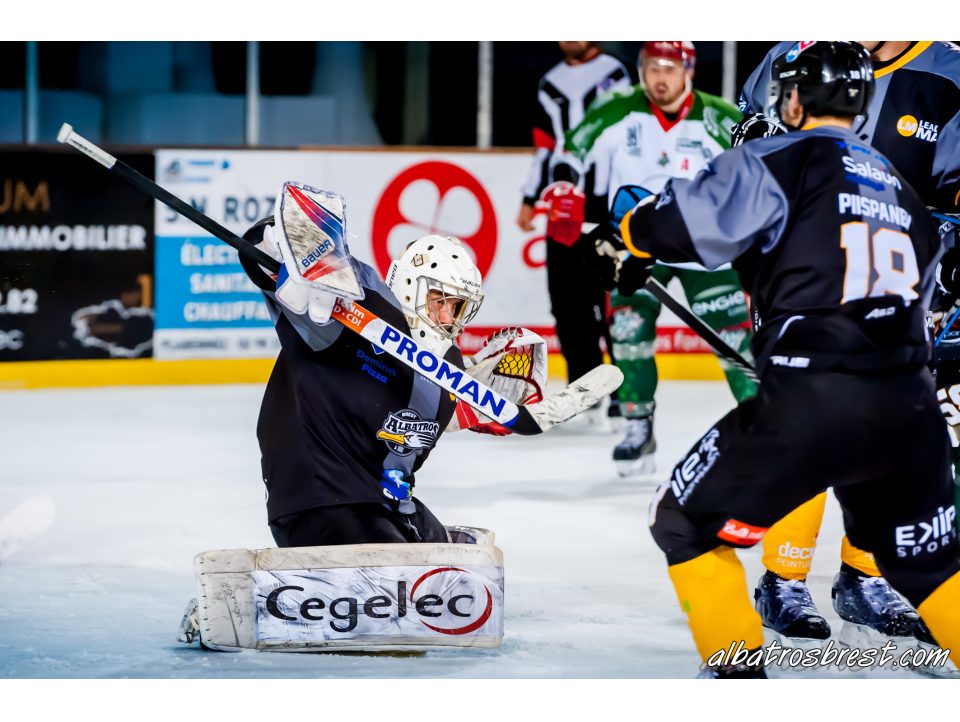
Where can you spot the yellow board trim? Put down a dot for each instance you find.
(670, 366)
(150, 372)
(917, 49)
(132, 372)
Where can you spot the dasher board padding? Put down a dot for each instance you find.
(375, 597)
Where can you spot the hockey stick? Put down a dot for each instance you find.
(654, 286)
(702, 329)
(942, 216)
(567, 403)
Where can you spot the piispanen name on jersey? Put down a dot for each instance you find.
(443, 373)
(857, 205)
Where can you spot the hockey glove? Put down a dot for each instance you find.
(755, 127)
(566, 208)
(634, 272)
(513, 362)
(296, 296)
(601, 249)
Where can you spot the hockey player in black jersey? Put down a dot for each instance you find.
(913, 118)
(344, 426)
(838, 254)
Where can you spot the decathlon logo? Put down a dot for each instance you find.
(927, 536)
(788, 551)
(908, 125)
(405, 432)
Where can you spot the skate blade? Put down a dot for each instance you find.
(769, 635)
(862, 636)
(636, 467)
(947, 671)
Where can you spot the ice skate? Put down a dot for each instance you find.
(787, 609)
(634, 455)
(872, 611)
(190, 624)
(732, 671)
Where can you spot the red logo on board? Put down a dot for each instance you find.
(434, 197)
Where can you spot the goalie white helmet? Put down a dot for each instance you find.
(438, 287)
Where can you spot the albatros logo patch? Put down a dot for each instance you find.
(405, 432)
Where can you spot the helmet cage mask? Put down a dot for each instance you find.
(467, 306)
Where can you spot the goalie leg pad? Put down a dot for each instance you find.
(362, 597)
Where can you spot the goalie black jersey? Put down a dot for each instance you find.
(341, 421)
(835, 248)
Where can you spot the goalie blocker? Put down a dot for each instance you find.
(363, 597)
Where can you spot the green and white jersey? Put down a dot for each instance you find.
(626, 140)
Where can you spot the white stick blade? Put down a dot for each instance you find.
(577, 397)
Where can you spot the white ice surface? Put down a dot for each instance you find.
(144, 478)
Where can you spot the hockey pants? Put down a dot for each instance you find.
(880, 441)
(789, 545)
(358, 524)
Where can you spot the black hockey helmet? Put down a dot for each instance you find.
(832, 78)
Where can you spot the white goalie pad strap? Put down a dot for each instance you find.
(375, 597)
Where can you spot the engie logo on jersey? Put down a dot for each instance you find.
(405, 432)
(908, 125)
(929, 535)
(318, 605)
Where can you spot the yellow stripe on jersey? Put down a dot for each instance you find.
(913, 53)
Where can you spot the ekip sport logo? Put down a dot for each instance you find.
(465, 612)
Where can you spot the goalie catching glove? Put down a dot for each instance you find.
(512, 362)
